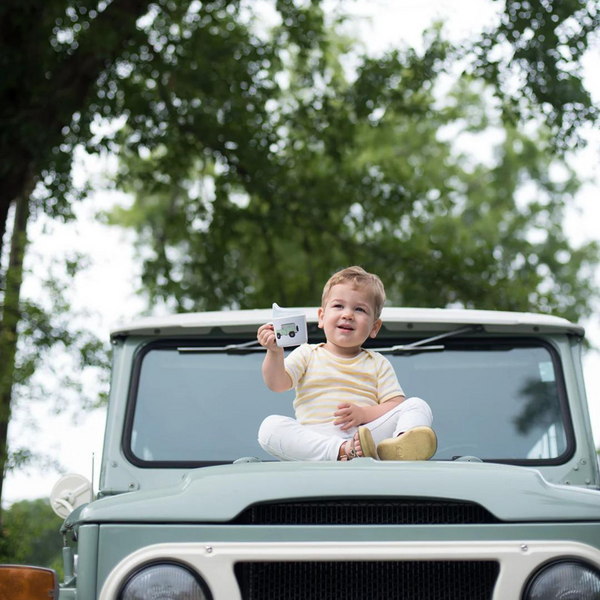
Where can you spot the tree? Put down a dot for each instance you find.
(51, 56)
(69, 64)
(51, 335)
(30, 535)
(533, 58)
(357, 172)
(50, 65)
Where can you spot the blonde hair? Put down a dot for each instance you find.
(358, 277)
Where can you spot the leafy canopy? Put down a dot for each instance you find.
(300, 169)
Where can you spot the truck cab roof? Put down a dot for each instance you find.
(394, 319)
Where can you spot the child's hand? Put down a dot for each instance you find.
(266, 337)
(349, 415)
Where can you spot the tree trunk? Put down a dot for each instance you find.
(4, 208)
(8, 327)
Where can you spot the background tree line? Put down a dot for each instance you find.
(260, 161)
(30, 536)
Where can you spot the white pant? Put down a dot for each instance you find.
(286, 439)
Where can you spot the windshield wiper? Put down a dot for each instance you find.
(245, 348)
(424, 345)
(419, 346)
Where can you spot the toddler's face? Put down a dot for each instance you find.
(348, 316)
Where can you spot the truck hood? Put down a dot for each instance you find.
(219, 494)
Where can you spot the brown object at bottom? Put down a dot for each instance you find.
(27, 583)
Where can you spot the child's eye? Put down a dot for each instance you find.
(361, 309)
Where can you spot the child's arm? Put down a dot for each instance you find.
(350, 415)
(273, 369)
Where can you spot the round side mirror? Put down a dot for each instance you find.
(70, 492)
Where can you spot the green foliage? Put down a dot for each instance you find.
(534, 58)
(30, 536)
(357, 171)
(53, 335)
(201, 90)
(69, 64)
(50, 338)
(51, 55)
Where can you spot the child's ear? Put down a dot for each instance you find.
(320, 315)
(376, 327)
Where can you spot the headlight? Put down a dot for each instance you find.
(165, 582)
(566, 579)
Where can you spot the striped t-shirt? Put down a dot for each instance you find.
(323, 380)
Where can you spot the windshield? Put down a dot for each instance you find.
(497, 401)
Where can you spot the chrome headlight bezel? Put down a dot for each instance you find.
(544, 569)
(202, 585)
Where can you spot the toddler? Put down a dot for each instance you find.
(348, 400)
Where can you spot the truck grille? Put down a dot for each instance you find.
(408, 580)
(366, 512)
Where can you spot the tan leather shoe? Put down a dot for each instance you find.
(419, 443)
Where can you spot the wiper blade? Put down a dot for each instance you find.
(410, 349)
(245, 348)
(425, 345)
(419, 346)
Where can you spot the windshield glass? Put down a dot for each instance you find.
(496, 402)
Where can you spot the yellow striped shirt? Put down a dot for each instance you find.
(323, 380)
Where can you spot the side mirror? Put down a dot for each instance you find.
(70, 492)
(28, 583)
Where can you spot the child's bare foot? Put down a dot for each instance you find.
(361, 445)
(419, 443)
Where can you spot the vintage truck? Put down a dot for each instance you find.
(189, 507)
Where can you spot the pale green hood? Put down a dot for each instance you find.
(219, 494)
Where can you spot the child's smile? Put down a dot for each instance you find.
(348, 319)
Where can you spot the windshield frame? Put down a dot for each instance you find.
(220, 344)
